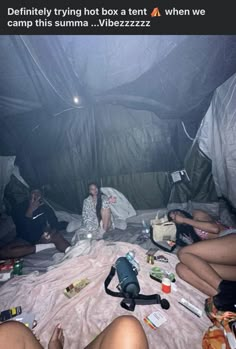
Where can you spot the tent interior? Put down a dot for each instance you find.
(153, 117)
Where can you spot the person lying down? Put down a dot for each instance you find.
(125, 332)
(201, 223)
(36, 229)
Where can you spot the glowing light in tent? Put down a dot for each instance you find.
(76, 100)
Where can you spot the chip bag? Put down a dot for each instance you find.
(221, 335)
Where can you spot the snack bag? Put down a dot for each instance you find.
(222, 333)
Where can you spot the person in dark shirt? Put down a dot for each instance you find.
(32, 218)
(36, 228)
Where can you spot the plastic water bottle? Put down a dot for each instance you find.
(130, 255)
(146, 229)
(131, 258)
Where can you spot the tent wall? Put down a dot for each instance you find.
(126, 131)
(217, 138)
(198, 190)
(6, 169)
(112, 145)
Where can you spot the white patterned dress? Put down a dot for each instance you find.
(89, 216)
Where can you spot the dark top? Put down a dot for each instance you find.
(31, 229)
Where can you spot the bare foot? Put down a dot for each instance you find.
(57, 339)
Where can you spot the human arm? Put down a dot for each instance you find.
(210, 227)
(85, 212)
(34, 204)
(51, 218)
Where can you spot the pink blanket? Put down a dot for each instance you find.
(88, 313)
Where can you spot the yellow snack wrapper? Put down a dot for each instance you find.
(74, 288)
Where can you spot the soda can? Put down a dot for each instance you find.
(17, 269)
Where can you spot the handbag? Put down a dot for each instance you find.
(163, 233)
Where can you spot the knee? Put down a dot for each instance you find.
(105, 212)
(14, 334)
(127, 322)
(128, 332)
(179, 269)
(184, 254)
(182, 271)
(11, 326)
(181, 252)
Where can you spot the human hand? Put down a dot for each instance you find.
(35, 202)
(47, 236)
(112, 200)
(177, 218)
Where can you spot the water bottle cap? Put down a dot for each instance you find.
(132, 253)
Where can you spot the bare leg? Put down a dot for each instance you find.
(187, 275)
(207, 263)
(15, 335)
(19, 248)
(226, 272)
(106, 218)
(125, 332)
(58, 240)
(16, 249)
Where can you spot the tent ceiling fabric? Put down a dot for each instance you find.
(174, 76)
(133, 92)
(107, 62)
(18, 94)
